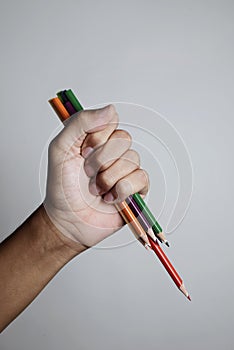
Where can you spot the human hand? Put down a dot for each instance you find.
(91, 167)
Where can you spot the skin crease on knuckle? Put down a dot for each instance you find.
(125, 187)
(128, 163)
(132, 156)
(120, 133)
(118, 143)
(99, 138)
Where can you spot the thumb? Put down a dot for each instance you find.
(79, 125)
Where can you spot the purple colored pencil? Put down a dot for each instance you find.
(69, 107)
(137, 212)
(141, 217)
(64, 96)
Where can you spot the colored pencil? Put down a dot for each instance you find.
(69, 107)
(74, 101)
(169, 267)
(59, 108)
(64, 96)
(140, 217)
(130, 219)
(60, 96)
(150, 217)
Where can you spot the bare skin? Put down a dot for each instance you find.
(91, 167)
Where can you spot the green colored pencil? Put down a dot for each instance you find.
(150, 217)
(74, 101)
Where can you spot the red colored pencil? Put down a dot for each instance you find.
(169, 267)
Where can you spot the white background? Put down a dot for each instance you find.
(173, 56)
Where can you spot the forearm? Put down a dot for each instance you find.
(29, 259)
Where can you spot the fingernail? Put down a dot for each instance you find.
(87, 151)
(109, 197)
(89, 170)
(94, 189)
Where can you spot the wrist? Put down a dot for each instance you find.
(51, 241)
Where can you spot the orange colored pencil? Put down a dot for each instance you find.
(59, 108)
(134, 224)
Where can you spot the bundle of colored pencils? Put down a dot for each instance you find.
(134, 210)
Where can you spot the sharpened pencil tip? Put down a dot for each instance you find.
(151, 234)
(189, 298)
(147, 247)
(167, 243)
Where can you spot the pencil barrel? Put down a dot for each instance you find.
(131, 220)
(74, 101)
(69, 107)
(137, 212)
(147, 213)
(166, 262)
(59, 108)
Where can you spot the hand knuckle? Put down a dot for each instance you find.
(123, 134)
(144, 176)
(133, 157)
(112, 109)
(113, 113)
(54, 145)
